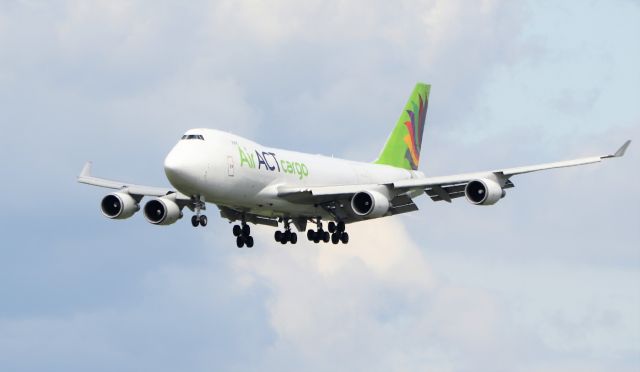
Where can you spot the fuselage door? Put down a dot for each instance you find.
(230, 166)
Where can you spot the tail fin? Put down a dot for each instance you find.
(402, 149)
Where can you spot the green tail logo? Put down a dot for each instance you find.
(402, 149)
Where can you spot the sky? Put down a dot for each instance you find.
(548, 279)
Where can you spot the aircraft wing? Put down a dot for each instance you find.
(449, 187)
(134, 190)
(438, 188)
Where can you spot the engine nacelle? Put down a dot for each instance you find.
(484, 192)
(162, 211)
(370, 204)
(119, 205)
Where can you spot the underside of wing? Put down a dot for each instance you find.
(339, 200)
(449, 192)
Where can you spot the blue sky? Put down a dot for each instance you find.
(546, 280)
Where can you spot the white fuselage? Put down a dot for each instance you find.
(232, 171)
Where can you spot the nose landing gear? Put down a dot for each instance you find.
(198, 219)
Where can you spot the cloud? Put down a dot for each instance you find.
(335, 306)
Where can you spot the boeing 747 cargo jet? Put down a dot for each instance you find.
(253, 183)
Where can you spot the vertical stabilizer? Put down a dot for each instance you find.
(402, 149)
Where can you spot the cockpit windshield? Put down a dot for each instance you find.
(193, 137)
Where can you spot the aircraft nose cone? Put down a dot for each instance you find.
(174, 168)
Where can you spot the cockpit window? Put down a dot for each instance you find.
(192, 137)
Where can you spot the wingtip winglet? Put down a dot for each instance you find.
(86, 170)
(622, 149)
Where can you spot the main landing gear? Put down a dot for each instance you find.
(336, 233)
(287, 236)
(243, 236)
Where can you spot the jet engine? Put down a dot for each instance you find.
(484, 192)
(162, 211)
(369, 204)
(119, 205)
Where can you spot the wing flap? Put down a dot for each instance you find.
(402, 204)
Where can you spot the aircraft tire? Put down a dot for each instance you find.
(278, 235)
(326, 237)
(332, 227)
(194, 221)
(236, 230)
(240, 241)
(344, 238)
(340, 227)
(249, 241)
(335, 238)
(294, 238)
(311, 235)
(246, 230)
(203, 220)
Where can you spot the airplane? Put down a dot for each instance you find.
(253, 183)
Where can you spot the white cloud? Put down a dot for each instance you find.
(332, 306)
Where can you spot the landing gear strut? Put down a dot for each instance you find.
(287, 236)
(243, 236)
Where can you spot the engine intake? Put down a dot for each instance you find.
(370, 204)
(484, 192)
(119, 205)
(162, 211)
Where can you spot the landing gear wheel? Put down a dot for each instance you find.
(344, 238)
(340, 226)
(311, 234)
(294, 238)
(332, 227)
(287, 235)
(203, 221)
(326, 237)
(278, 235)
(335, 238)
(236, 230)
(194, 221)
(249, 241)
(246, 230)
(240, 241)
